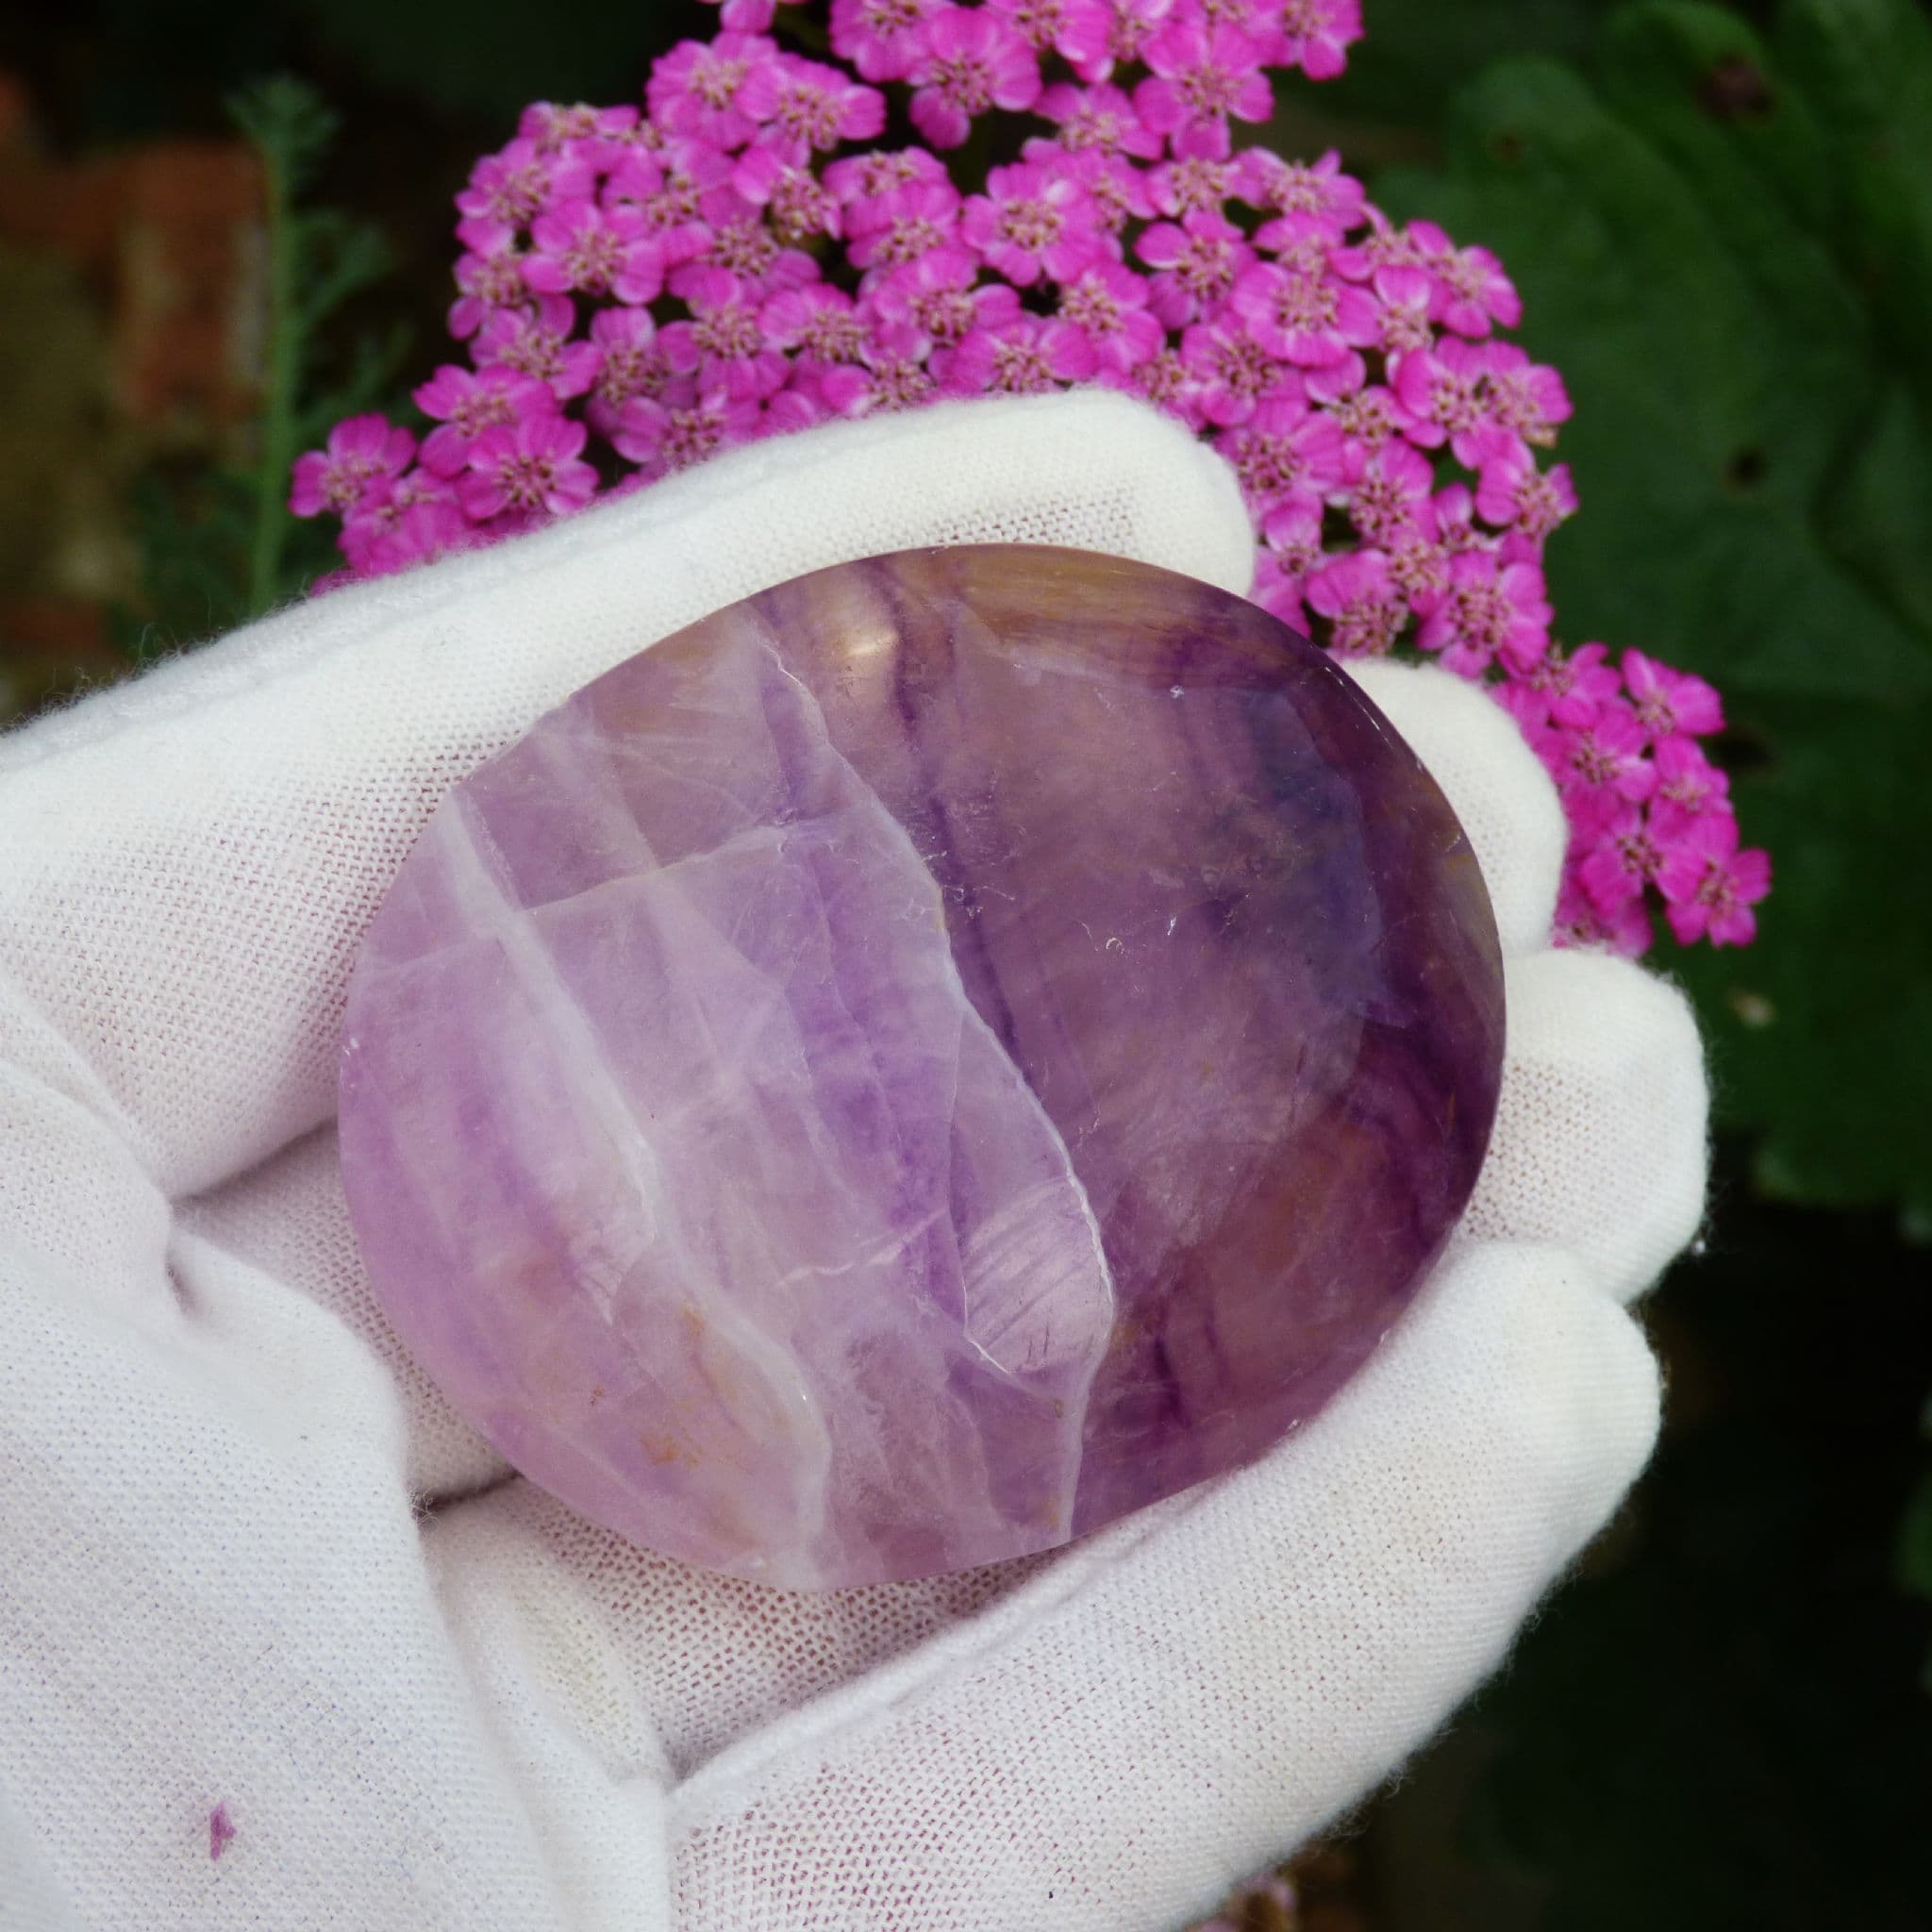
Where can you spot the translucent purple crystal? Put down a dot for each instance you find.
(924, 1061)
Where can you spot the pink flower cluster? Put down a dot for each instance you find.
(639, 288)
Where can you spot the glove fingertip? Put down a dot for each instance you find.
(1600, 1140)
(1494, 782)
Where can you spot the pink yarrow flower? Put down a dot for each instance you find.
(1581, 923)
(1199, 174)
(937, 300)
(895, 216)
(682, 191)
(383, 509)
(594, 135)
(1494, 611)
(1039, 22)
(1367, 417)
(537, 341)
(1292, 547)
(580, 248)
(1709, 886)
(1418, 568)
(1600, 764)
(724, 345)
(1392, 496)
(1667, 701)
(663, 437)
(1022, 356)
(1107, 304)
(486, 283)
(808, 106)
(1228, 373)
(1318, 188)
(1562, 687)
(1512, 492)
(1472, 290)
(1098, 36)
(1030, 223)
(1100, 117)
(1621, 859)
(363, 454)
(739, 262)
(880, 38)
(861, 180)
(749, 249)
(796, 203)
(1313, 35)
(533, 466)
(508, 190)
(1287, 453)
(1115, 185)
(421, 531)
(694, 88)
(632, 365)
(1401, 297)
(968, 60)
(897, 369)
(1303, 315)
(1523, 396)
(1456, 518)
(1197, 261)
(821, 322)
(1444, 393)
(1354, 593)
(465, 403)
(1689, 786)
(1199, 77)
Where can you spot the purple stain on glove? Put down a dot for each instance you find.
(221, 1830)
(920, 1063)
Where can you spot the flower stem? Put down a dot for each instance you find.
(278, 443)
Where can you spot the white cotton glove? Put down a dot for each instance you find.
(249, 1559)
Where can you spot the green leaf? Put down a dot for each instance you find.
(192, 536)
(218, 545)
(1718, 1726)
(336, 257)
(1914, 1558)
(288, 123)
(1416, 52)
(1693, 238)
(1869, 65)
(371, 381)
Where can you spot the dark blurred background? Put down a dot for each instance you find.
(1721, 221)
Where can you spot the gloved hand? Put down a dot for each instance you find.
(250, 1560)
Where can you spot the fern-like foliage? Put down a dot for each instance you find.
(216, 545)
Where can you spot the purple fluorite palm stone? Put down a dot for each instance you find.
(920, 1064)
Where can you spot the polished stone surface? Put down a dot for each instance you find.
(920, 1064)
